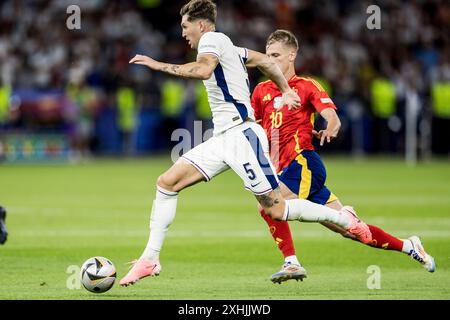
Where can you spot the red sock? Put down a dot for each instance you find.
(281, 233)
(383, 240)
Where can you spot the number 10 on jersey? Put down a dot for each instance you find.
(277, 119)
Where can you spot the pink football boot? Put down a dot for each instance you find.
(141, 268)
(358, 228)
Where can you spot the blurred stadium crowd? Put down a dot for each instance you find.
(78, 83)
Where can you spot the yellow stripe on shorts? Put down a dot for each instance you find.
(305, 183)
(332, 198)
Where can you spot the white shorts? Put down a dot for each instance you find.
(245, 150)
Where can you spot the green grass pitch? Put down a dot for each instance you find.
(218, 247)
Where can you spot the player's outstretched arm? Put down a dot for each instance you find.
(201, 69)
(333, 126)
(270, 69)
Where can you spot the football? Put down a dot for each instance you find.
(98, 274)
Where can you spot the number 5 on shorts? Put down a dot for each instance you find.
(250, 172)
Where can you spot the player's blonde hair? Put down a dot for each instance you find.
(200, 9)
(284, 36)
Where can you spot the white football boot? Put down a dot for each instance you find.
(289, 271)
(418, 253)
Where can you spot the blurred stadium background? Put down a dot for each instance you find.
(65, 94)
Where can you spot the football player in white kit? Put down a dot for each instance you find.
(238, 142)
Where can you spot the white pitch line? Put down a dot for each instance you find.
(212, 234)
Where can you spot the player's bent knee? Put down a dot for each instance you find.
(272, 204)
(274, 214)
(277, 215)
(165, 182)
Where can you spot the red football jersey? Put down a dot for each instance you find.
(289, 131)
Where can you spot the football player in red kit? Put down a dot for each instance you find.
(300, 169)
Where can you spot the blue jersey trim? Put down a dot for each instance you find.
(222, 83)
(262, 160)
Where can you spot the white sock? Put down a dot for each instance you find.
(163, 213)
(407, 246)
(307, 211)
(291, 260)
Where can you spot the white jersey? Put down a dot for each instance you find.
(228, 87)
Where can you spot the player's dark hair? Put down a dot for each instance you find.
(200, 9)
(284, 36)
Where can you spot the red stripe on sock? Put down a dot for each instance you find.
(281, 233)
(383, 240)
